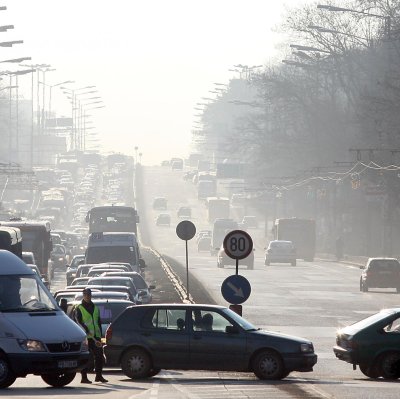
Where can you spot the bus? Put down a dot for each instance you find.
(36, 238)
(301, 232)
(112, 218)
(113, 247)
(11, 240)
(218, 208)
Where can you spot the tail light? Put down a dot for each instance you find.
(108, 333)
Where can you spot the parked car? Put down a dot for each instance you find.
(138, 280)
(29, 258)
(109, 310)
(73, 266)
(373, 344)
(380, 273)
(160, 203)
(224, 260)
(59, 256)
(249, 222)
(204, 243)
(184, 212)
(145, 339)
(163, 219)
(280, 251)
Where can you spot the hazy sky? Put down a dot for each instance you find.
(151, 60)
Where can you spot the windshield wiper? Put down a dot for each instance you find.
(43, 309)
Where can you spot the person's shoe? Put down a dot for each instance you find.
(100, 378)
(85, 380)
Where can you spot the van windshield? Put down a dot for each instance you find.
(111, 254)
(24, 294)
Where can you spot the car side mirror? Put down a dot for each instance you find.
(231, 330)
(142, 263)
(362, 267)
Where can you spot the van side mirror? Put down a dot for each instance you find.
(362, 267)
(142, 263)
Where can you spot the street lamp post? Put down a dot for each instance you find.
(136, 150)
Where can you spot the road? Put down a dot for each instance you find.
(311, 300)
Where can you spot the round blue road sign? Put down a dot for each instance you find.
(236, 289)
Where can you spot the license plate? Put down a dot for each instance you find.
(63, 364)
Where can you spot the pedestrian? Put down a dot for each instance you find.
(64, 304)
(88, 317)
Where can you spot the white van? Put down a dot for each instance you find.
(36, 336)
(113, 247)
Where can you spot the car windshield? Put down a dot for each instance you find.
(369, 321)
(24, 294)
(239, 320)
(111, 254)
(384, 264)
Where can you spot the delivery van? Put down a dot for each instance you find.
(36, 336)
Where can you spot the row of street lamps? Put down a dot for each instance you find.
(79, 107)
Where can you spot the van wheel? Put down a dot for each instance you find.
(7, 376)
(58, 380)
(268, 365)
(136, 363)
(220, 265)
(364, 287)
(390, 365)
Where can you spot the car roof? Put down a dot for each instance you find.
(383, 258)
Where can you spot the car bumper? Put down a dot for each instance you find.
(41, 363)
(302, 362)
(344, 354)
(280, 258)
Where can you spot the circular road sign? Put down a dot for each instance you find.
(186, 230)
(236, 289)
(238, 244)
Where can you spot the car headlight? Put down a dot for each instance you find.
(31, 345)
(85, 345)
(306, 348)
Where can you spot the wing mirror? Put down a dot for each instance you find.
(231, 330)
(362, 267)
(142, 263)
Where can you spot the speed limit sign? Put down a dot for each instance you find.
(238, 244)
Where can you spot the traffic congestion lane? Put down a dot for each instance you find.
(312, 299)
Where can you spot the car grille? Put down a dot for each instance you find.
(64, 347)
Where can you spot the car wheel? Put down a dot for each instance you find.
(364, 287)
(370, 371)
(268, 365)
(361, 286)
(7, 376)
(58, 380)
(220, 265)
(136, 363)
(153, 372)
(389, 365)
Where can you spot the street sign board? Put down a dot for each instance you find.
(238, 244)
(236, 289)
(185, 230)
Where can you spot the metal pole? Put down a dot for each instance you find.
(237, 266)
(16, 120)
(187, 271)
(10, 124)
(32, 114)
(43, 95)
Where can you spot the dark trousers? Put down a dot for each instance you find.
(96, 359)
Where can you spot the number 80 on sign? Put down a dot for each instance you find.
(238, 244)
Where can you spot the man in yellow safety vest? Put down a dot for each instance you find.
(87, 315)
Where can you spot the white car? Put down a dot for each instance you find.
(280, 251)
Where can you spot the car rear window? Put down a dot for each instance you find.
(384, 265)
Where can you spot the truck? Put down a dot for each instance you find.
(217, 207)
(221, 228)
(206, 188)
(36, 238)
(11, 240)
(301, 232)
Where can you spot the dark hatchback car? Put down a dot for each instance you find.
(380, 273)
(373, 344)
(145, 339)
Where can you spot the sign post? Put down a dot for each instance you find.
(238, 245)
(186, 230)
